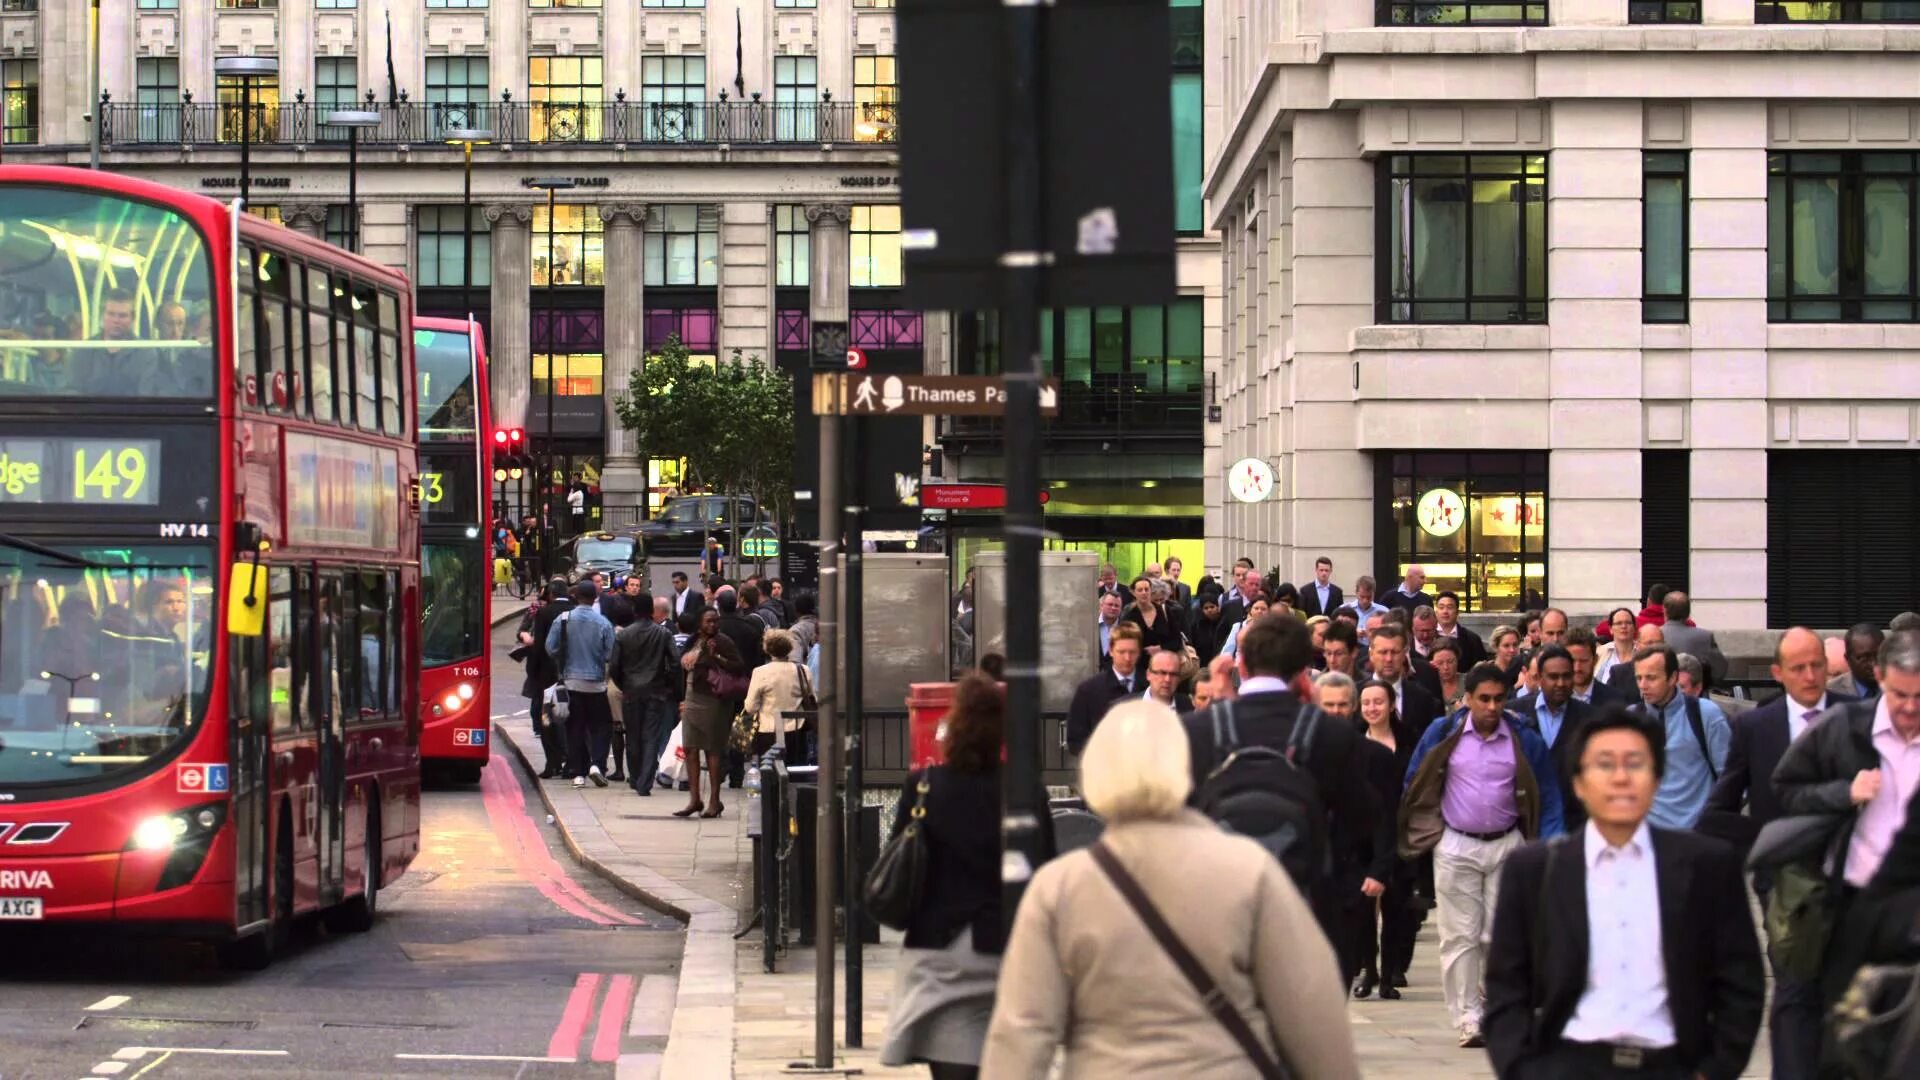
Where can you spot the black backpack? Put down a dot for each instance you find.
(1266, 794)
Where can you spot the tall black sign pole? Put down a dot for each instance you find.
(826, 870)
(1025, 263)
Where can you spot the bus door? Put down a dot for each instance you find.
(247, 753)
(340, 653)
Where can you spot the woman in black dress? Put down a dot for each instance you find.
(1157, 630)
(1385, 948)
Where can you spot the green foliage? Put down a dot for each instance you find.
(732, 421)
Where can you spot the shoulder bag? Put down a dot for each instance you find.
(1211, 996)
(899, 873)
(556, 696)
(807, 700)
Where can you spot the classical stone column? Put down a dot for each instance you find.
(623, 478)
(309, 218)
(827, 234)
(510, 318)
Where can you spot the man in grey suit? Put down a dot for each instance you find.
(1691, 639)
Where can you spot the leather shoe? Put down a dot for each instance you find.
(1388, 993)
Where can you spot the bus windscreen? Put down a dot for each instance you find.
(101, 297)
(444, 360)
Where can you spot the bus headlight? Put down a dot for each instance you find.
(158, 833)
(465, 691)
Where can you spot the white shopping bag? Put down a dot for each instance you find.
(673, 761)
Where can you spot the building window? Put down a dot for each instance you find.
(563, 3)
(574, 375)
(1840, 237)
(876, 98)
(1663, 237)
(792, 246)
(339, 227)
(1836, 11)
(794, 3)
(1465, 238)
(1839, 528)
(875, 236)
(1663, 11)
(579, 245)
(795, 89)
(695, 327)
(873, 3)
(1189, 150)
(325, 5)
(157, 93)
(565, 96)
(265, 96)
(674, 91)
(457, 91)
(443, 247)
(254, 4)
(683, 245)
(1471, 13)
(1477, 523)
(673, 3)
(20, 101)
(334, 87)
(456, 4)
(159, 5)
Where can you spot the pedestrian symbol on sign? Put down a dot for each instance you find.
(863, 394)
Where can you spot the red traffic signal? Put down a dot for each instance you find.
(516, 438)
(501, 438)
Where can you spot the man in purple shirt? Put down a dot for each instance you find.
(1478, 786)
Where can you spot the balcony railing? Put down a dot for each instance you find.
(607, 123)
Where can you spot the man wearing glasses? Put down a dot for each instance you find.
(1163, 681)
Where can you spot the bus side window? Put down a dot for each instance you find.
(273, 277)
(304, 642)
(326, 680)
(375, 653)
(396, 646)
(320, 343)
(297, 340)
(366, 399)
(343, 349)
(346, 651)
(245, 342)
(281, 643)
(390, 418)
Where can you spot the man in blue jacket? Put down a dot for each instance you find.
(582, 666)
(1479, 785)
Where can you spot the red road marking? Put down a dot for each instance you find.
(507, 812)
(613, 1019)
(573, 1022)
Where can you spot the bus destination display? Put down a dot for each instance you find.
(79, 472)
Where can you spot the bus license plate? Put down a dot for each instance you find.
(19, 907)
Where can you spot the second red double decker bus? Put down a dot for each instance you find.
(455, 565)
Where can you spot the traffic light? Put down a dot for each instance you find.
(516, 452)
(502, 439)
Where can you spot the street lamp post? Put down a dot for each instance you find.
(468, 138)
(95, 110)
(550, 185)
(353, 120)
(246, 69)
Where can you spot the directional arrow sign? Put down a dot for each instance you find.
(865, 394)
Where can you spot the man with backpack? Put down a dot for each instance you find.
(1272, 767)
(1481, 783)
(1696, 733)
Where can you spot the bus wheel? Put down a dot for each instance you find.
(357, 914)
(467, 772)
(256, 951)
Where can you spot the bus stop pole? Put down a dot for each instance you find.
(852, 614)
(826, 872)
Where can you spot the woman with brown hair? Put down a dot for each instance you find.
(944, 996)
(704, 723)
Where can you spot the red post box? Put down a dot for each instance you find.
(927, 705)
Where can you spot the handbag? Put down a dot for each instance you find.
(745, 727)
(724, 684)
(1876, 1024)
(1800, 912)
(556, 697)
(807, 701)
(899, 873)
(1216, 1002)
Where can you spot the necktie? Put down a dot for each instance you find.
(1807, 718)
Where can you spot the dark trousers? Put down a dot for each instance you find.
(1566, 1063)
(552, 745)
(1382, 945)
(649, 724)
(589, 720)
(1796, 1016)
(793, 743)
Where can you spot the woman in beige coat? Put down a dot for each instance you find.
(1082, 971)
(778, 686)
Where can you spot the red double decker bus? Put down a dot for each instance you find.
(209, 575)
(456, 579)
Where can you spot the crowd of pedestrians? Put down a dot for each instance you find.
(1293, 780)
(616, 678)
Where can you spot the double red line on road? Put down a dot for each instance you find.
(507, 812)
(613, 1018)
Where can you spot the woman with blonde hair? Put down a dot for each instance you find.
(777, 687)
(1084, 970)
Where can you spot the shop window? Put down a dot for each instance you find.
(1465, 238)
(875, 236)
(1836, 11)
(1477, 522)
(1841, 237)
(578, 246)
(573, 374)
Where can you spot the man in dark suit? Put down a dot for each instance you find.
(1557, 715)
(1411, 593)
(542, 672)
(1389, 656)
(1446, 612)
(1163, 681)
(1098, 692)
(1587, 690)
(1274, 652)
(1622, 950)
(1760, 739)
(1691, 639)
(1321, 596)
(745, 630)
(686, 597)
